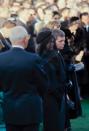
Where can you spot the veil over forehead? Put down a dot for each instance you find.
(44, 36)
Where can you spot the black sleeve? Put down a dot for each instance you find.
(40, 78)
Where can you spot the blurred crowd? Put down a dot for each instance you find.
(43, 8)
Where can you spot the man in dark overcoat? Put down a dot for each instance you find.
(22, 79)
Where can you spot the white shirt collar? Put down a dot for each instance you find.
(19, 46)
(87, 28)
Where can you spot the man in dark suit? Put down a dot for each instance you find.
(84, 17)
(85, 25)
(22, 79)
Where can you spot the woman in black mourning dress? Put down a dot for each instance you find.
(54, 101)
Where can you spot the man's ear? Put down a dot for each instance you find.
(26, 38)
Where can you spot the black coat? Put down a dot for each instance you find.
(86, 37)
(54, 101)
(21, 80)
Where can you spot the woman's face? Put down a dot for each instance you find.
(60, 42)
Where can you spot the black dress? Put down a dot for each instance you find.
(54, 101)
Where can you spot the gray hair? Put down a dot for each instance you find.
(18, 33)
(58, 32)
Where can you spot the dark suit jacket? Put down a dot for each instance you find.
(22, 79)
(86, 38)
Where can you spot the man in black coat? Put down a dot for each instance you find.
(85, 25)
(22, 79)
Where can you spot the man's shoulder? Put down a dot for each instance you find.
(34, 55)
(33, 58)
(4, 53)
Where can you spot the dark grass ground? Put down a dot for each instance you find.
(79, 124)
(82, 123)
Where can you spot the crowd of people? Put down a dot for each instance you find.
(44, 66)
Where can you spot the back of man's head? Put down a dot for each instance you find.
(18, 33)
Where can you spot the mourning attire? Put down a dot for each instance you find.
(54, 101)
(23, 81)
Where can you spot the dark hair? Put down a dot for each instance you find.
(83, 14)
(73, 19)
(43, 38)
(55, 13)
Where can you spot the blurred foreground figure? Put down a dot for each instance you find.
(5, 43)
(22, 79)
